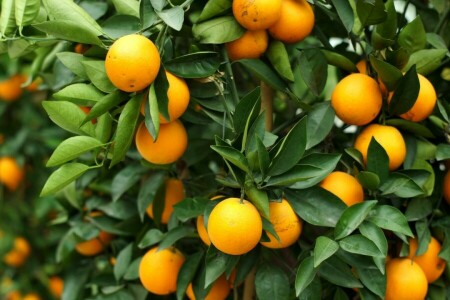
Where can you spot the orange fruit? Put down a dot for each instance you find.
(219, 291)
(10, 89)
(252, 44)
(388, 137)
(94, 246)
(286, 223)
(357, 99)
(362, 68)
(234, 226)
(169, 147)
(344, 186)
(158, 270)
(202, 232)
(19, 253)
(56, 286)
(31, 296)
(11, 174)
(256, 14)
(174, 193)
(80, 48)
(14, 295)
(295, 23)
(446, 186)
(132, 63)
(432, 265)
(405, 280)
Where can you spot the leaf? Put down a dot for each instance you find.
(123, 261)
(375, 234)
(373, 280)
(72, 148)
(418, 208)
(218, 30)
(147, 14)
(127, 7)
(26, 11)
(133, 270)
(152, 113)
(352, 217)
(271, 283)
(69, 30)
(320, 122)
(406, 93)
(325, 248)
(359, 244)
(259, 198)
(314, 68)
(217, 263)
(158, 4)
(117, 26)
(368, 180)
(190, 208)
(413, 37)
(106, 103)
(173, 17)
(401, 185)
(384, 34)
(410, 126)
(426, 61)
(389, 218)
(279, 58)
(264, 73)
(7, 18)
(337, 272)
(443, 152)
(62, 177)
(345, 13)
(95, 70)
(214, 8)
(148, 191)
(232, 155)
(74, 281)
(194, 65)
(187, 273)
(79, 91)
(125, 179)
(371, 12)
(247, 110)
(305, 275)
(73, 61)
(389, 74)
(151, 237)
(338, 60)
(377, 160)
(174, 235)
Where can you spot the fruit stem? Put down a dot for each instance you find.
(267, 104)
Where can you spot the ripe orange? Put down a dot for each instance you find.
(94, 246)
(31, 296)
(446, 186)
(10, 89)
(362, 68)
(14, 295)
(286, 223)
(388, 137)
(357, 99)
(11, 174)
(158, 270)
(252, 44)
(56, 286)
(432, 265)
(295, 23)
(19, 253)
(174, 194)
(80, 48)
(344, 186)
(201, 229)
(219, 290)
(168, 148)
(234, 227)
(256, 14)
(132, 63)
(405, 280)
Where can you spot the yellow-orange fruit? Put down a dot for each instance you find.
(11, 174)
(256, 14)
(94, 246)
(19, 253)
(252, 44)
(219, 291)
(344, 186)
(432, 265)
(405, 280)
(10, 89)
(446, 186)
(56, 286)
(174, 193)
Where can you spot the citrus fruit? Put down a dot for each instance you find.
(11, 174)
(94, 246)
(344, 186)
(202, 232)
(219, 290)
(31, 296)
(252, 44)
(10, 89)
(286, 224)
(132, 63)
(19, 253)
(357, 99)
(169, 147)
(14, 295)
(174, 193)
(405, 280)
(446, 186)
(295, 23)
(56, 286)
(388, 137)
(158, 270)
(256, 14)
(362, 68)
(432, 265)
(234, 226)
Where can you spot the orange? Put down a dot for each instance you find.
(174, 194)
(446, 186)
(432, 265)
(405, 280)
(56, 286)
(286, 223)
(20, 251)
(362, 68)
(14, 295)
(295, 23)
(178, 95)
(10, 89)
(388, 137)
(234, 226)
(80, 48)
(132, 63)
(169, 147)
(219, 290)
(252, 44)
(158, 270)
(202, 232)
(344, 186)
(11, 174)
(357, 99)
(256, 14)
(94, 246)
(31, 296)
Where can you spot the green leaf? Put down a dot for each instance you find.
(263, 156)
(62, 177)
(174, 235)
(173, 17)
(324, 249)
(218, 31)
(390, 218)
(410, 126)
(406, 93)
(72, 148)
(232, 155)
(214, 8)
(443, 151)
(105, 104)
(123, 261)
(217, 263)
(320, 123)
(338, 60)
(259, 198)
(389, 74)
(79, 92)
(26, 11)
(152, 113)
(190, 208)
(147, 14)
(279, 58)
(384, 34)
(158, 4)
(119, 25)
(151, 237)
(377, 160)
(375, 234)
(352, 217)
(359, 244)
(264, 73)
(127, 7)
(368, 180)
(314, 68)
(187, 273)
(246, 111)
(337, 272)
(7, 18)
(125, 179)
(271, 283)
(95, 70)
(418, 208)
(371, 12)
(436, 41)
(69, 30)
(66, 245)
(373, 280)
(256, 131)
(194, 65)
(401, 185)
(305, 275)
(413, 37)
(345, 13)
(426, 61)
(74, 282)
(148, 191)
(125, 129)
(133, 270)
(74, 62)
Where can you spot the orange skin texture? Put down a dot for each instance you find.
(94, 246)
(234, 228)
(11, 174)
(286, 223)
(252, 44)
(158, 270)
(432, 265)
(388, 137)
(56, 286)
(10, 89)
(219, 290)
(405, 280)
(17, 256)
(169, 147)
(446, 186)
(132, 63)
(256, 14)
(174, 194)
(344, 186)
(357, 99)
(295, 23)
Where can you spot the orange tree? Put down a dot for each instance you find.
(172, 103)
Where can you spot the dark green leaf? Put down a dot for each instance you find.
(147, 14)
(187, 273)
(375, 234)
(73, 61)
(217, 263)
(247, 110)
(390, 218)
(264, 73)
(388, 74)
(401, 185)
(368, 180)
(233, 156)
(305, 275)
(259, 198)
(127, 7)
(62, 177)
(384, 34)
(105, 104)
(377, 160)
(133, 270)
(413, 37)
(418, 208)
(339, 60)
(443, 152)
(214, 8)
(358, 244)
(123, 261)
(148, 191)
(125, 179)
(271, 283)
(152, 113)
(218, 31)
(74, 281)
(70, 31)
(279, 58)
(373, 280)
(324, 249)
(173, 17)
(151, 237)
(194, 65)
(405, 95)
(120, 25)
(95, 70)
(345, 13)
(413, 127)
(320, 123)
(174, 235)
(314, 68)
(352, 217)
(371, 12)
(337, 272)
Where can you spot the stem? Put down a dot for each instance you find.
(230, 77)
(267, 104)
(249, 286)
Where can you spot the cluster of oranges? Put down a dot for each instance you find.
(288, 21)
